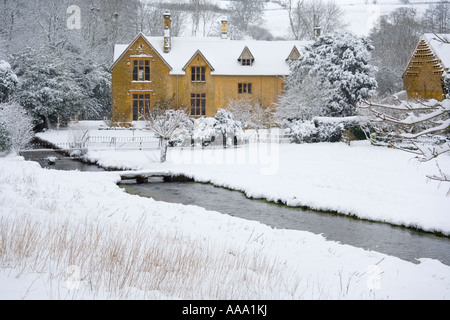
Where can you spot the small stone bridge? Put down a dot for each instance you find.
(143, 177)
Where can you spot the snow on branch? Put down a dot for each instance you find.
(413, 123)
(166, 125)
(407, 121)
(442, 38)
(412, 115)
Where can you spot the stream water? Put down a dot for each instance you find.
(401, 242)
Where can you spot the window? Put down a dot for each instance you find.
(141, 107)
(246, 62)
(244, 88)
(198, 104)
(198, 74)
(141, 70)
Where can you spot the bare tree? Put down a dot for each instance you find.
(250, 113)
(305, 15)
(209, 17)
(394, 41)
(18, 126)
(242, 14)
(436, 18)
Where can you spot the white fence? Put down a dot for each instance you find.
(123, 143)
(150, 142)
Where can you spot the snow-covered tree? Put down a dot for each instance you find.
(242, 14)
(436, 18)
(446, 84)
(16, 127)
(58, 85)
(8, 81)
(96, 83)
(227, 125)
(305, 101)
(250, 113)
(204, 131)
(49, 85)
(149, 17)
(340, 64)
(408, 121)
(166, 125)
(394, 41)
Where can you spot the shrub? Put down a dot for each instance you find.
(323, 129)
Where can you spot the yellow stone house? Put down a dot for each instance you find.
(423, 75)
(201, 74)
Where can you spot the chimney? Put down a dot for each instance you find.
(224, 21)
(167, 32)
(317, 32)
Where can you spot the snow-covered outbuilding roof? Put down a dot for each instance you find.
(270, 57)
(441, 49)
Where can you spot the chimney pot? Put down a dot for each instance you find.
(224, 21)
(317, 32)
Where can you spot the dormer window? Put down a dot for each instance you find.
(294, 55)
(246, 58)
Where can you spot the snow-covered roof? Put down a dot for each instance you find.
(441, 49)
(270, 56)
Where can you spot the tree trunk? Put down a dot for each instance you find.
(164, 144)
(224, 137)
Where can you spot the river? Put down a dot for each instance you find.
(405, 243)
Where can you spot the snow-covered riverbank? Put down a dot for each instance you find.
(72, 235)
(368, 182)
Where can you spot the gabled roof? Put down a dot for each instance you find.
(440, 49)
(246, 54)
(121, 49)
(223, 55)
(193, 57)
(294, 55)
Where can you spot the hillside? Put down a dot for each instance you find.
(360, 15)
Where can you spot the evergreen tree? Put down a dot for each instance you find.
(48, 87)
(338, 64)
(446, 85)
(226, 124)
(8, 81)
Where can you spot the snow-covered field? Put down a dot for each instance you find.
(73, 235)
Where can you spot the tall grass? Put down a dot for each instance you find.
(117, 260)
(92, 257)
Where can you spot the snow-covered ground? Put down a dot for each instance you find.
(74, 235)
(77, 235)
(362, 180)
